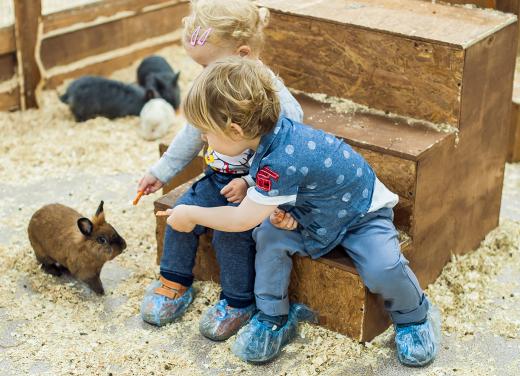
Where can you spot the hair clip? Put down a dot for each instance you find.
(195, 37)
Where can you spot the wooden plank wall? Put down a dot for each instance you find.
(96, 38)
(9, 92)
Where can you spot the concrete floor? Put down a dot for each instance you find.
(482, 354)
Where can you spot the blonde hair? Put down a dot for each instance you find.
(232, 22)
(234, 90)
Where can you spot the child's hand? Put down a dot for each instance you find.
(283, 220)
(179, 219)
(149, 184)
(235, 191)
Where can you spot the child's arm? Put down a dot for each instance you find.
(182, 150)
(241, 218)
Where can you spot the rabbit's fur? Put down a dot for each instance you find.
(64, 240)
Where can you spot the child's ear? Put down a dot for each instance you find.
(236, 131)
(243, 51)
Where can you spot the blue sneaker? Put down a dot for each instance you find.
(164, 301)
(417, 344)
(261, 340)
(222, 321)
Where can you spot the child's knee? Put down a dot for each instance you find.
(383, 273)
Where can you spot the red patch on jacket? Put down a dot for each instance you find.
(263, 178)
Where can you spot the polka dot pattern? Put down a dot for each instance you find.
(311, 145)
(289, 149)
(291, 170)
(327, 162)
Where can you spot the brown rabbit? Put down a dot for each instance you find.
(63, 240)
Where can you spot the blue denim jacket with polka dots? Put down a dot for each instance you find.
(315, 176)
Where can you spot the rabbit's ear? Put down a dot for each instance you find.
(175, 79)
(85, 226)
(99, 217)
(100, 208)
(149, 94)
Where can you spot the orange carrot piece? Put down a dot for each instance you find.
(138, 197)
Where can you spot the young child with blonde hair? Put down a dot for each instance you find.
(328, 188)
(214, 29)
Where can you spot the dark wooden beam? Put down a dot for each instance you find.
(27, 16)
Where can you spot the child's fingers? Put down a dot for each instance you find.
(276, 217)
(292, 224)
(283, 223)
(164, 213)
(226, 190)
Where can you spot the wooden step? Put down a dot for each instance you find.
(330, 285)
(401, 56)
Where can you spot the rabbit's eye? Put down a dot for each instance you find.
(102, 240)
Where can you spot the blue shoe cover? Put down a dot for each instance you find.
(260, 342)
(417, 345)
(222, 321)
(160, 310)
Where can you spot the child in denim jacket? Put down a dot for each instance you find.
(329, 190)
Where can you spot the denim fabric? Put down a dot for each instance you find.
(372, 243)
(235, 251)
(317, 177)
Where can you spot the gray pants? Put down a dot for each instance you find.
(372, 243)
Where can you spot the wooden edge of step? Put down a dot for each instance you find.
(454, 26)
(390, 135)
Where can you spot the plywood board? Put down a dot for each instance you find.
(456, 209)
(71, 46)
(382, 71)
(105, 64)
(100, 11)
(7, 42)
(418, 20)
(10, 100)
(7, 66)
(367, 129)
